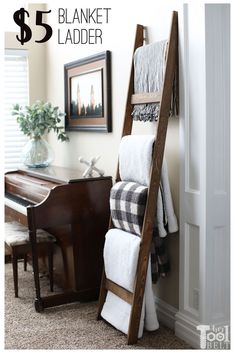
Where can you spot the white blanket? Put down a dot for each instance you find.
(135, 159)
(121, 252)
(165, 205)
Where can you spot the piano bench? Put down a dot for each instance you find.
(18, 244)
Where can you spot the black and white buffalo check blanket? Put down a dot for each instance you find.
(127, 206)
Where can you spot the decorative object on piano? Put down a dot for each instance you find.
(37, 153)
(91, 167)
(35, 121)
(88, 93)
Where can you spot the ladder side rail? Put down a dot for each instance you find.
(154, 183)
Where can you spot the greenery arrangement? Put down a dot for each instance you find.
(39, 118)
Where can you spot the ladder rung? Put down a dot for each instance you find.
(119, 291)
(142, 98)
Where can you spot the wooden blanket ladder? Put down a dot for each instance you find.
(135, 299)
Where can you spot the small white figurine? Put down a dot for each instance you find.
(91, 167)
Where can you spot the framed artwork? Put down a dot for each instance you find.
(88, 93)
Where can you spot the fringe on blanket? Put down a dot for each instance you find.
(149, 68)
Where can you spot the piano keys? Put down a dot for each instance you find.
(24, 187)
(76, 211)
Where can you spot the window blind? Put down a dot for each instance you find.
(16, 90)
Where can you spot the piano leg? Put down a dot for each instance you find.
(41, 303)
(38, 301)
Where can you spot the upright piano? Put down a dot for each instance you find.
(76, 211)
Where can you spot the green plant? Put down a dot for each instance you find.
(39, 118)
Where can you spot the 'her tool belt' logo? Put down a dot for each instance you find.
(214, 337)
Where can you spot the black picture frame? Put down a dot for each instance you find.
(87, 85)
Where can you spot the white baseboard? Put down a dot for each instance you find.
(186, 329)
(166, 313)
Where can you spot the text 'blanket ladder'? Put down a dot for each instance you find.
(135, 299)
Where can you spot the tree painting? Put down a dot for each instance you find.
(86, 95)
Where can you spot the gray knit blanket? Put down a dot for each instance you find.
(149, 68)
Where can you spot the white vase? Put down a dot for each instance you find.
(37, 153)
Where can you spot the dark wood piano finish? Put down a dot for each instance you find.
(76, 211)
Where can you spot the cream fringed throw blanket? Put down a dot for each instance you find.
(149, 68)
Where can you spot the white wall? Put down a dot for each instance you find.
(36, 56)
(119, 39)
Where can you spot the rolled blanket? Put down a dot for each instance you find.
(121, 251)
(127, 206)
